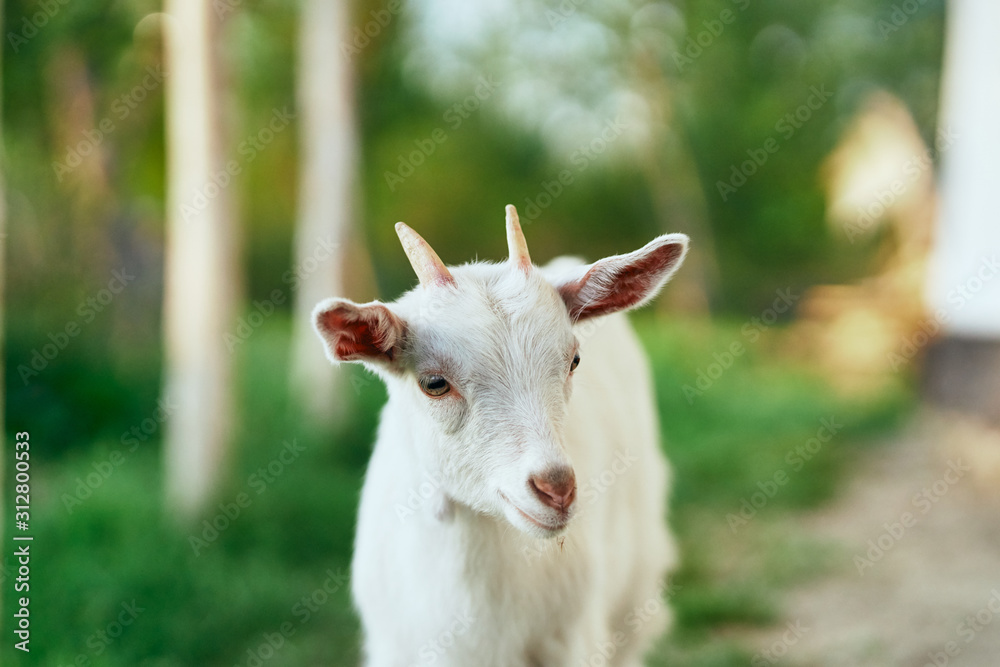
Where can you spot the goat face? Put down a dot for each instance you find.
(482, 356)
(490, 361)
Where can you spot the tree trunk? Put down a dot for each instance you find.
(327, 188)
(963, 369)
(200, 261)
(3, 325)
(671, 177)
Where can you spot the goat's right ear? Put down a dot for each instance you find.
(366, 332)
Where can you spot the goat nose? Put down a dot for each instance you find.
(556, 487)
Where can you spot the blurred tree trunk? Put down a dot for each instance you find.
(669, 172)
(671, 176)
(327, 195)
(963, 368)
(3, 291)
(200, 261)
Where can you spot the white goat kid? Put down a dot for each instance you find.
(488, 427)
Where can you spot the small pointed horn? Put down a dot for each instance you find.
(425, 262)
(516, 245)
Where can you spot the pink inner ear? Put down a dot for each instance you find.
(609, 288)
(357, 334)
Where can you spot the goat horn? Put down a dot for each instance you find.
(425, 262)
(516, 245)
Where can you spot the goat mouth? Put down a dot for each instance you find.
(549, 527)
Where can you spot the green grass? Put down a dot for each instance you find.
(725, 443)
(246, 587)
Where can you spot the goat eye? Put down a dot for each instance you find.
(576, 362)
(434, 385)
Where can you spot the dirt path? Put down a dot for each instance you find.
(930, 504)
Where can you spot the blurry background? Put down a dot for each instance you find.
(183, 182)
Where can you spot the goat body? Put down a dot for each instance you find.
(519, 517)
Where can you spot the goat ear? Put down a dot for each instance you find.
(367, 332)
(622, 282)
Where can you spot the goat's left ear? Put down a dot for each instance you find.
(622, 282)
(366, 332)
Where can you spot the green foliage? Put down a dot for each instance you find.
(203, 602)
(88, 391)
(67, 233)
(759, 412)
(736, 93)
(210, 603)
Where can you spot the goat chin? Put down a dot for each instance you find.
(439, 581)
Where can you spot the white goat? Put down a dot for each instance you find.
(478, 455)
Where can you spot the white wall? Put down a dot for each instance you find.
(964, 278)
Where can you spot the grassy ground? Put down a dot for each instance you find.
(113, 583)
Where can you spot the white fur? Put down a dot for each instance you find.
(446, 570)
